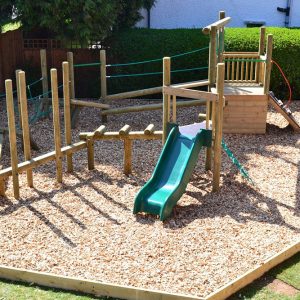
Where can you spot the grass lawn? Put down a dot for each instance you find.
(288, 272)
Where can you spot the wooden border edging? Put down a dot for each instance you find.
(255, 273)
(88, 286)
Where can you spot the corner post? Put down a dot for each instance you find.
(219, 127)
(261, 50)
(268, 65)
(212, 81)
(166, 97)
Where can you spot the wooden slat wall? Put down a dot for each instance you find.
(245, 114)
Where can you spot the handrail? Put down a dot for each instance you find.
(218, 24)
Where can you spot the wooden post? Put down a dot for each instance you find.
(90, 151)
(261, 50)
(45, 85)
(166, 102)
(12, 137)
(268, 64)
(221, 37)
(212, 80)
(219, 127)
(103, 80)
(25, 124)
(74, 108)
(18, 96)
(174, 109)
(67, 113)
(127, 156)
(56, 124)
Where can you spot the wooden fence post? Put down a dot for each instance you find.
(45, 85)
(212, 80)
(268, 65)
(25, 124)
(103, 80)
(67, 113)
(12, 137)
(166, 97)
(56, 125)
(219, 127)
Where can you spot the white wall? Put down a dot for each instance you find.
(199, 13)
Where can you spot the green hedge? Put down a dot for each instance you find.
(142, 44)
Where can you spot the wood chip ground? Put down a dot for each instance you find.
(85, 226)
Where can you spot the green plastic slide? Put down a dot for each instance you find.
(173, 170)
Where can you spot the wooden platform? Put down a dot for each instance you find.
(277, 104)
(246, 109)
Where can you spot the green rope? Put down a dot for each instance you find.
(244, 59)
(234, 160)
(154, 73)
(35, 82)
(87, 65)
(157, 59)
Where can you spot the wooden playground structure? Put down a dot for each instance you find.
(242, 79)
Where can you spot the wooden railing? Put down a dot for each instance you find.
(244, 67)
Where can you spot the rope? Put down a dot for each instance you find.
(157, 59)
(154, 73)
(87, 65)
(234, 160)
(287, 83)
(244, 59)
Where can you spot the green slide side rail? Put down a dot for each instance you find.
(172, 173)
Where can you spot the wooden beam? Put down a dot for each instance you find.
(25, 124)
(191, 84)
(139, 93)
(12, 137)
(67, 112)
(43, 159)
(125, 130)
(217, 24)
(150, 107)
(192, 94)
(132, 135)
(56, 125)
(235, 285)
(149, 129)
(89, 104)
(18, 98)
(88, 286)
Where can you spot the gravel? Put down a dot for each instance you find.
(85, 226)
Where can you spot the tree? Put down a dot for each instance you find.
(79, 20)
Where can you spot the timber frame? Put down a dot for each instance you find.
(132, 293)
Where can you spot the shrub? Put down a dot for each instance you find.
(143, 44)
